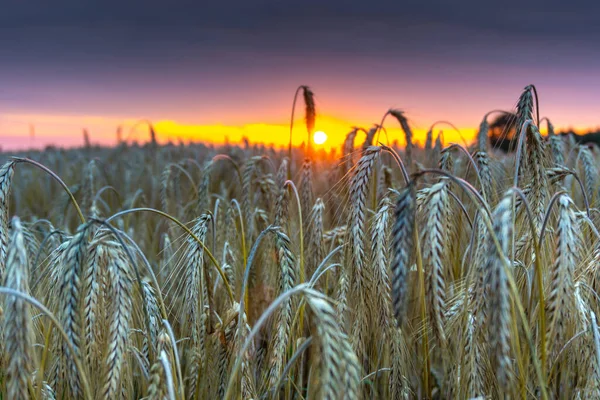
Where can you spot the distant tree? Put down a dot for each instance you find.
(502, 132)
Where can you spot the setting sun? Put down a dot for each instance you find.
(319, 137)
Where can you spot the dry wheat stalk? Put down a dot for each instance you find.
(120, 309)
(403, 247)
(282, 173)
(558, 151)
(408, 135)
(204, 189)
(287, 280)
(560, 299)
(157, 388)
(153, 312)
(536, 164)
(379, 262)
(314, 251)
(17, 326)
(369, 138)
(306, 188)
(434, 244)
(338, 365)
(385, 182)
(590, 171)
(360, 278)
(195, 311)
(482, 134)
(6, 173)
(428, 140)
(92, 292)
(310, 113)
(496, 281)
(164, 188)
(250, 169)
(524, 107)
(487, 185)
(70, 312)
(347, 151)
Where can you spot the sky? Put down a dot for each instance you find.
(228, 69)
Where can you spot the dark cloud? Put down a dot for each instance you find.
(136, 27)
(107, 55)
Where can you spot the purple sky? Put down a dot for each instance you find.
(237, 62)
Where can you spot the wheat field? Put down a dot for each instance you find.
(245, 272)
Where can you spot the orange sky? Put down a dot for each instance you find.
(265, 118)
(49, 128)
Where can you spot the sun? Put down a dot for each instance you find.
(319, 137)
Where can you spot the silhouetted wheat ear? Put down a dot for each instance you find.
(17, 324)
(310, 111)
(524, 107)
(498, 306)
(6, 174)
(369, 138)
(428, 140)
(403, 246)
(482, 134)
(408, 135)
(347, 150)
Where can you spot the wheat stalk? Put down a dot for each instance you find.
(120, 291)
(72, 261)
(408, 135)
(434, 244)
(6, 173)
(560, 297)
(17, 324)
(339, 367)
(496, 281)
(402, 244)
(287, 280)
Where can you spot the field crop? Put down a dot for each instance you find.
(209, 272)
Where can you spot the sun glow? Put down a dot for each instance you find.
(319, 137)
